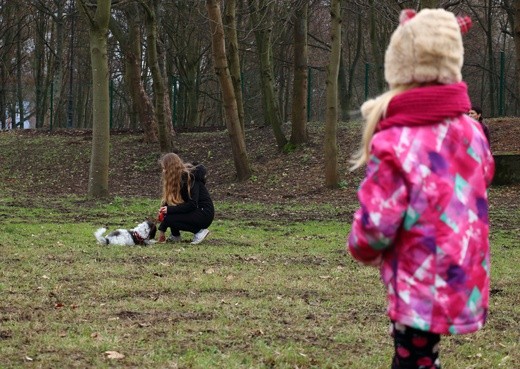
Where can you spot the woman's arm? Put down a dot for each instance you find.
(190, 203)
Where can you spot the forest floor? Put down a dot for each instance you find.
(278, 178)
(42, 166)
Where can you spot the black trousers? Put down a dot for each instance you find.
(191, 222)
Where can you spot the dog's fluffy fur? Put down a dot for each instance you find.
(143, 234)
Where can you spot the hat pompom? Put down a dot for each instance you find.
(406, 15)
(465, 24)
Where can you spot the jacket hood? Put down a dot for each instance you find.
(199, 173)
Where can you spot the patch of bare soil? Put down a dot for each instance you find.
(505, 134)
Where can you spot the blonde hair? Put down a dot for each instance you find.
(174, 171)
(373, 111)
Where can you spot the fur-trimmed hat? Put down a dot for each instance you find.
(426, 47)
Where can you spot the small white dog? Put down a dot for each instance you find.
(143, 234)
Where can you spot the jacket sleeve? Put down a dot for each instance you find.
(190, 203)
(383, 197)
(489, 167)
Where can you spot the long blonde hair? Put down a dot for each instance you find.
(373, 110)
(173, 171)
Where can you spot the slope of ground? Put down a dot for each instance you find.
(37, 163)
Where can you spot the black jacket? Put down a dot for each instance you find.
(199, 199)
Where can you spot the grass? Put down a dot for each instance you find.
(271, 288)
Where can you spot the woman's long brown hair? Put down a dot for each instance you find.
(173, 171)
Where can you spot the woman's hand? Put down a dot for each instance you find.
(163, 209)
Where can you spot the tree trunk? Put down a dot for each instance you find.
(39, 73)
(8, 27)
(299, 134)
(192, 94)
(187, 58)
(491, 60)
(58, 108)
(516, 36)
(19, 63)
(238, 145)
(161, 58)
(344, 99)
(165, 132)
(262, 24)
(352, 68)
(331, 119)
(376, 50)
(99, 161)
(3, 107)
(230, 32)
(82, 103)
(130, 43)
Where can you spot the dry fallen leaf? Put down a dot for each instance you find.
(114, 355)
(96, 336)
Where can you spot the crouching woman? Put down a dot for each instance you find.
(186, 204)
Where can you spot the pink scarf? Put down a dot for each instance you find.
(427, 105)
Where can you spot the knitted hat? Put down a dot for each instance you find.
(426, 47)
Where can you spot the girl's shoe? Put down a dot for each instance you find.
(199, 236)
(174, 239)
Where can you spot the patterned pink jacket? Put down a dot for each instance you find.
(424, 209)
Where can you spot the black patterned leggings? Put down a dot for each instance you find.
(414, 349)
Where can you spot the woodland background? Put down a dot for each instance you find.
(162, 66)
(44, 49)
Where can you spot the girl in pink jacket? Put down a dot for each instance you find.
(423, 217)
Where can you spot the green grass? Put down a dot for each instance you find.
(271, 288)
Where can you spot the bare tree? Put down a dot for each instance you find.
(187, 44)
(98, 20)
(161, 99)
(513, 11)
(19, 65)
(8, 54)
(347, 84)
(130, 43)
(485, 22)
(377, 53)
(39, 63)
(299, 133)
(230, 31)
(262, 18)
(331, 120)
(59, 65)
(238, 145)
